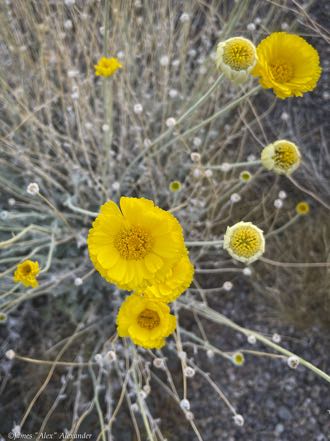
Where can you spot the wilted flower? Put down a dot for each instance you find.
(244, 241)
(32, 189)
(238, 420)
(282, 156)
(293, 362)
(236, 57)
(287, 64)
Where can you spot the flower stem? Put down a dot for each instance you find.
(107, 96)
(235, 165)
(210, 314)
(202, 243)
(283, 227)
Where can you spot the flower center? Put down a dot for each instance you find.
(133, 243)
(245, 242)
(282, 71)
(238, 54)
(26, 269)
(285, 156)
(148, 319)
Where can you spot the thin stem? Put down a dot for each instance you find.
(283, 227)
(234, 165)
(72, 207)
(202, 243)
(219, 318)
(171, 129)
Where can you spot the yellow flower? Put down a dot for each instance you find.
(302, 208)
(244, 241)
(136, 245)
(26, 273)
(175, 186)
(236, 57)
(245, 176)
(145, 321)
(287, 64)
(282, 156)
(177, 281)
(107, 66)
(238, 358)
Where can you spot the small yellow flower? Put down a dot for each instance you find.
(238, 358)
(145, 321)
(107, 66)
(287, 64)
(175, 186)
(236, 57)
(245, 176)
(26, 273)
(244, 241)
(282, 156)
(302, 208)
(136, 245)
(176, 282)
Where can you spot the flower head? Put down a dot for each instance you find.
(32, 189)
(282, 156)
(26, 273)
(236, 57)
(107, 66)
(287, 64)
(238, 358)
(176, 282)
(136, 245)
(245, 176)
(244, 241)
(175, 186)
(145, 321)
(302, 208)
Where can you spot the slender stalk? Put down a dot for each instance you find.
(191, 109)
(219, 318)
(283, 227)
(107, 96)
(235, 165)
(202, 243)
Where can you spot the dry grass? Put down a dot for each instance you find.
(52, 132)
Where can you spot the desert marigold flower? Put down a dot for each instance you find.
(175, 186)
(107, 66)
(176, 282)
(302, 208)
(236, 57)
(287, 64)
(244, 241)
(282, 156)
(26, 273)
(136, 245)
(245, 176)
(146, 322)
(238, 358)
